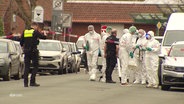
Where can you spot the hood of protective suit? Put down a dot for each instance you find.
(109, 28)
(132, 29)
(151, 33)
(125, 31)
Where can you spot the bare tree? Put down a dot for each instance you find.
(25, 13)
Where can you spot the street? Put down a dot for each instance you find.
(77, 89)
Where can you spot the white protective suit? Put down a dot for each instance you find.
(94, 40)
(120, 48)
(140, 73)
(125, 47)
(151, 60)
(103, 58)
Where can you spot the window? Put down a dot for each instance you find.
(173, 36)
(3, 47)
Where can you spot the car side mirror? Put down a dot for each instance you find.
(78, 52)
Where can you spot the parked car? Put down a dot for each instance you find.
(69, 57)
(76, 54)
(74, 57)
(21, 58)
(79, 44)
(9, 60)
(172, 70)
(173, 33)
(52, 56)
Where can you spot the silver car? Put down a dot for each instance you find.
(172, 71)
(21, 58)
(76, 54)
(52, 56)
(9, 60)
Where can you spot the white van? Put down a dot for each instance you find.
(174, 32)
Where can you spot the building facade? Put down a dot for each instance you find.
(119, 15)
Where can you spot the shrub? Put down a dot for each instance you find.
(1, 27)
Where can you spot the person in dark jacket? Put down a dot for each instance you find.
(29, 41)
(111, 53)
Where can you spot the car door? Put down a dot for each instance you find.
(14, 57)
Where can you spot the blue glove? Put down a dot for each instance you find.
(149, 49)
(131, 54)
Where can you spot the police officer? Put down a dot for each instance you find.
(111, 49)
(29, 41)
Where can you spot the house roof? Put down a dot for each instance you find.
(107, 12)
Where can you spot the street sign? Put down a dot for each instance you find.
(38, 14)
(57, 4)
(67, 20)
(159, 25)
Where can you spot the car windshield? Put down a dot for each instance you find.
(173, 36)
(49, 46)
(177, 51)
(3, 47)
(66, 46)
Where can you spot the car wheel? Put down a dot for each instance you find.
(53, 73)
(60, 71)
(7, 77)
(70, 69)
(160, 71)
(22, 71)
(165, 87)
(18, 76)
(78, 67)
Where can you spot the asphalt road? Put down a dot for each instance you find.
(77, 89)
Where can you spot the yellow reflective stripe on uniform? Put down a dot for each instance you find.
(28, 33)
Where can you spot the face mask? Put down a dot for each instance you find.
(91, 32)
(139, 35)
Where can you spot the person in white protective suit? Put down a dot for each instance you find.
(107, 34)
(125, 48)
(120, 53)
(140, 73)
(151, 59)
(92, 42)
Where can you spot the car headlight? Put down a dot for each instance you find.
(170, 68)
(2, 61)
(57, 57)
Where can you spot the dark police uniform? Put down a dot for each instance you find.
(29, 41)
(111, 58)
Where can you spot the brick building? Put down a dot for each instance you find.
(119, 15)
